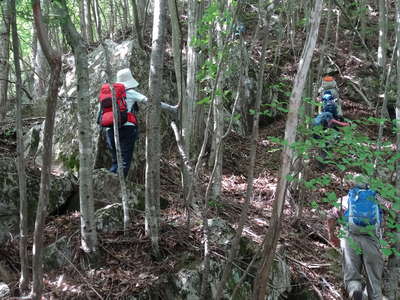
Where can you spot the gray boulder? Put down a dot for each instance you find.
(57, 254)
(107, 190)
(66, 143)
(62, 190)
(4, 290)
(187, 282)
(108, 200)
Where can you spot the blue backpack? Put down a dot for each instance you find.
(329, 103)
(363, 209)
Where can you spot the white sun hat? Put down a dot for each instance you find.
(125, 76)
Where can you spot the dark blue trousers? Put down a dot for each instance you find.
(127, 137)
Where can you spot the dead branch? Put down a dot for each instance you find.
(359, 91)
(83, 277)
(24, 120)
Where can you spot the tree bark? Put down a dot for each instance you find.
(271, 238)
(138, 28)
(141, 6)
(250, 175)
(82, 18)
(382, 35)
(23, 205)
(176, 47)
(112, 18)
(393, 267)
(88, 227)
(187, 112)
(217, 147)
(189, 105)
(41, 65)
(125, 9)
(86, 21)
(4, 57)
(153, 141)
(54, 60)
(120, 173)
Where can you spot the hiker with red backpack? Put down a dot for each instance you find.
(127, 99)
(127, 104)
(361, 216)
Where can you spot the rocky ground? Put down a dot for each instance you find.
(125, 265)
(129, 269)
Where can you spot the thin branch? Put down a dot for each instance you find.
(77, 271)
(359, 91)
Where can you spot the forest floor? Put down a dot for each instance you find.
(130, 268)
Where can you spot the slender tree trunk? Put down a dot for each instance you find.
(88, 227)
(177, 54)
(41, 65)
(250, 176)
(89, 22)
(96, 18)
(176, 47)
(138, 28)
(141, 5)
(363, 19)
(153, 141)
(188, 107)
(112, 18)
(337, 27)
(384, 112)
(83, 26)
(121, 176)
(86, 21)
(393, 267)
(382, 34)
(125, 9)
(4, 57)
(272, 236)
(323, 49)
(23, 206)
(192, 65)
(217, 147)
(54, 60)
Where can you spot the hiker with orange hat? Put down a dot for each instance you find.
(329, 90)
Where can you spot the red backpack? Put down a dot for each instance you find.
(105, 99)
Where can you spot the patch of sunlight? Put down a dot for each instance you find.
(123, 50)
(234, 183)
(64, 286)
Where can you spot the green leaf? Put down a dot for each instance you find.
(387, 251)
(205, 100)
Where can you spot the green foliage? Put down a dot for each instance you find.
(9, 132)
(268, 108)
(350, 151)
(214, 204)
(71, 162)
(214, 31)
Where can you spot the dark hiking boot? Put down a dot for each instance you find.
(357, 295)
(114, 168)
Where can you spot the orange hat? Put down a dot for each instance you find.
(328, 78)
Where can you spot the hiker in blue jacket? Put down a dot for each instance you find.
(361, 214)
